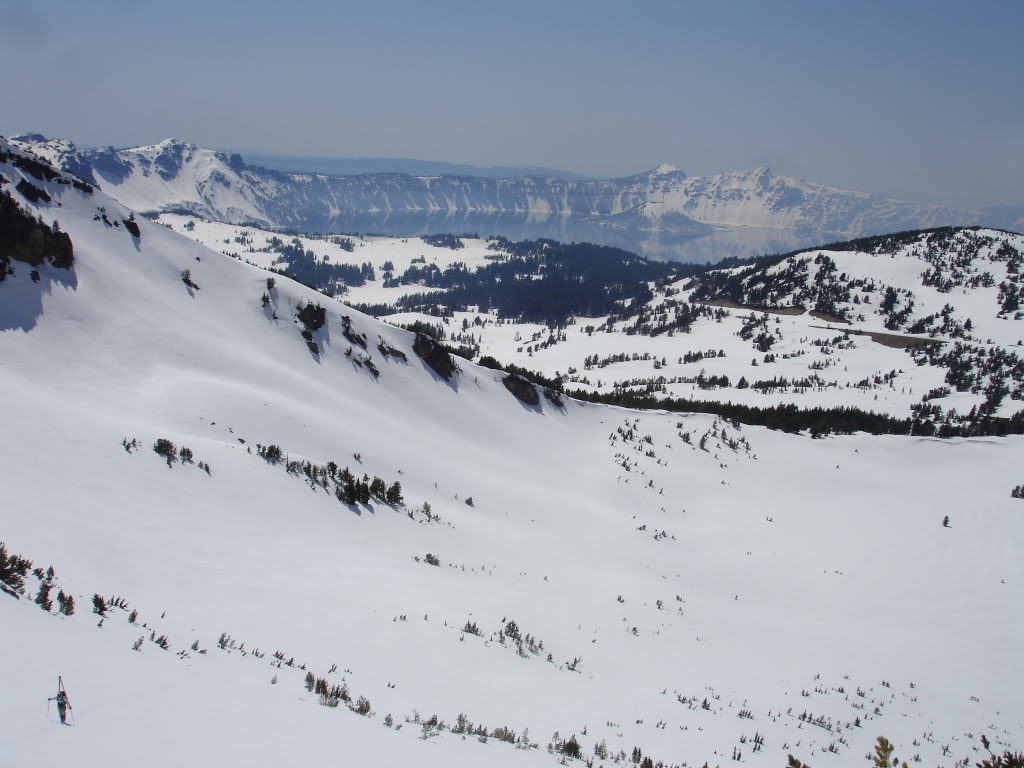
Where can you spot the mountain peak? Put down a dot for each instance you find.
(30, 138)
(664, 169)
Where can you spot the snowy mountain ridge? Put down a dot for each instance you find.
(624, 586)
(175, 176)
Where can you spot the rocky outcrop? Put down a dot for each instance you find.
(25, 239)
(522, 388)
(434, 355)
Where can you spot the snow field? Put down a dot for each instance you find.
(816, 565)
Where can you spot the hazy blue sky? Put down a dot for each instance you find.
(921, 100)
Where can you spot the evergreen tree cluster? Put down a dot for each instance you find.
(992, 371)
(14, 572)
(445, 241)
(14, 569)
(578, 279)
(347, 487)
(322, 274)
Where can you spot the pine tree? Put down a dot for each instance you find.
(99, 605)
(11, 573)
(43, 596)
(883, 754)
(394, 493)
(65, 603)
(1007, 760)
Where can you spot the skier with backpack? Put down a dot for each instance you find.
(63, 703)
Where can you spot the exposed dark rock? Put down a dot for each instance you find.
(313, 347)
(25, 239)
(359, 339)
(313, 317)
(132, 226)
(32, 193)
(434, 355)
(389, 351)
(522, 388)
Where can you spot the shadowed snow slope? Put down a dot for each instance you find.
(676, 583)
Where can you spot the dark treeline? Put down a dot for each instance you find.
(817, 421)
(554, 385)
(543, 281)
(306, 268)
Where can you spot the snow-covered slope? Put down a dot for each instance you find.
(174, 176)
(694, 583)
(834, 335)
(953, 282)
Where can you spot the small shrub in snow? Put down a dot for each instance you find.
(43, 596)
(272, 453)
(503, 733)
(362, 706)
(165, 448)
(65, 603)
(570, 747)
(432, 559)
(99, 605)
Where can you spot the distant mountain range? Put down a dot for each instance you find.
(351, 166)
(732, 214)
